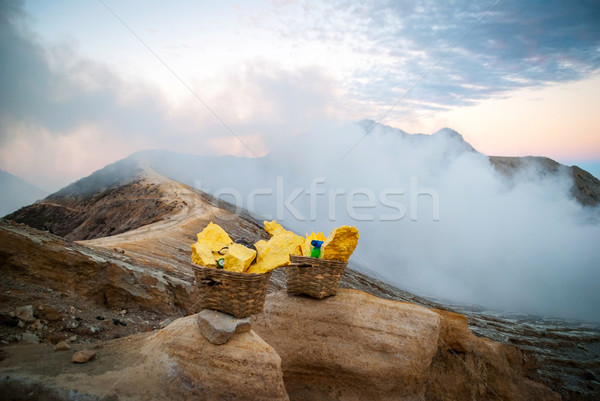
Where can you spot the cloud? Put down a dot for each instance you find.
(66, 115)
(56, 88)
(395, 44)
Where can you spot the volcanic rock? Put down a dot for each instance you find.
(97, 275)
(49, 313)
(25, 313)
(175, 363)
(62, 346)
(83, 356)
(29, 338)
(355, 346)
(218, 327)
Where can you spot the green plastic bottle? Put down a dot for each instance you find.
(316, 250)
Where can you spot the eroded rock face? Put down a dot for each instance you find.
(469, 367)
(354, 346)
(102, 277)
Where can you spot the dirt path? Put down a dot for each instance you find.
(165, 244)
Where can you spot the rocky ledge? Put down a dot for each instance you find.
(175, 363)
(353, 346)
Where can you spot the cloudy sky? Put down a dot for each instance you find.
(85, 83)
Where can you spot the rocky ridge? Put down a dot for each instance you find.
(585, 188)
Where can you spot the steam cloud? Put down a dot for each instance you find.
(521, 245)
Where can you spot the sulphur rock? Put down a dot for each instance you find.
(202, 255)
(276, 252)
(340, 244)
(238, 258)
(274, 228)
(261, 246)
(305, 248)
(214, 236)
(211, 240)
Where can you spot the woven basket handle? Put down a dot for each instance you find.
(296, 264)
(210, 281)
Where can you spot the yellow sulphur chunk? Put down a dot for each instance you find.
(238, 258)
(210, 241)
(201, 255)
(275, 252)
(340, 244)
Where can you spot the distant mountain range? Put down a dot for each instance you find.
(16, 193)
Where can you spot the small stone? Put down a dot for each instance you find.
(70, 325)
(123, 312)
(25, 313)
(55, 338)
(50, 313)
(37, 325)
(72, 339)
(165, 323)
(62, 346)
(12, 314)
(29, 338)
(83, 356)
(95, 330)
(21, 324)
(218, 327)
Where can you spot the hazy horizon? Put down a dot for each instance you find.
(86, 84)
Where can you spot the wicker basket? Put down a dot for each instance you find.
(318, 278)
(238, 294)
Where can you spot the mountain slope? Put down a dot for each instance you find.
(112, 200)
(16, 193)
(585, 188)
